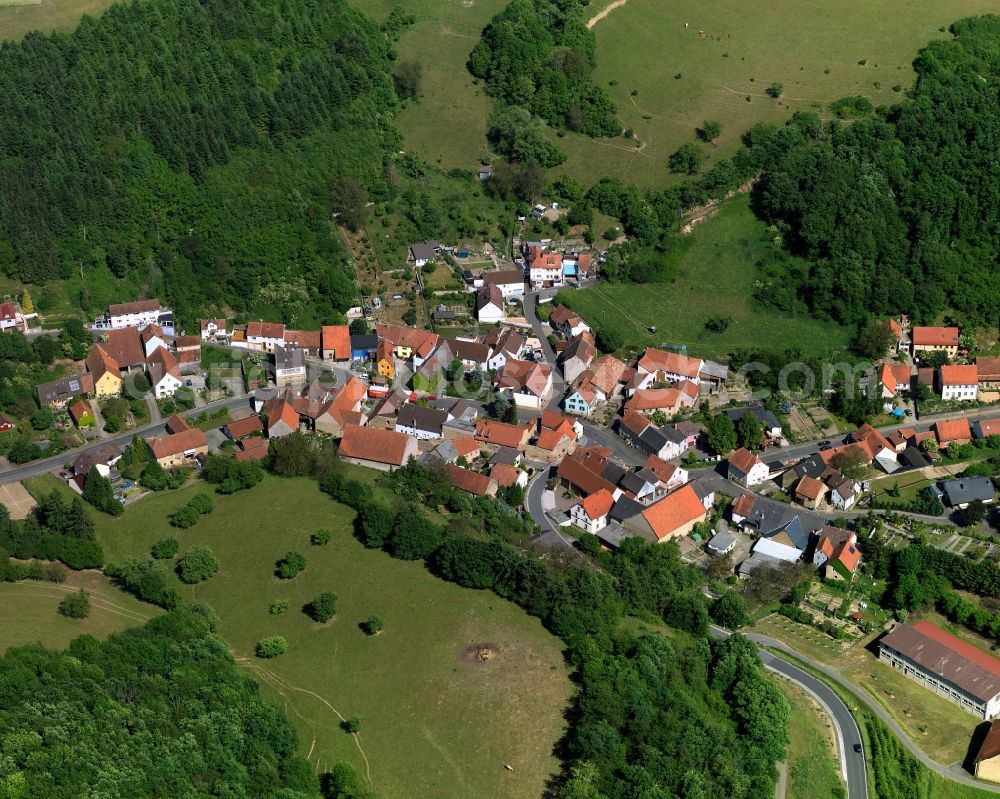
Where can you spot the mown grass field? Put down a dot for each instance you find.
(17, 17)
(813, 50)
(715, 276)
(813, 771)
(434, 722)
(31, 610)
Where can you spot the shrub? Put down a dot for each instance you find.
(351, 725)
(320, 537)
(322, 608)
(55, 573)
(774, 90)
(271, 647)
(184, 517)
(375, 624)
(278, 607)
(76, 606)
(165, 548)
(154, 477)
(197, 565)
(290, 565)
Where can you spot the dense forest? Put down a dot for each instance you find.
(540, 55)
(162, 710)
(195, 150)
(899, 210)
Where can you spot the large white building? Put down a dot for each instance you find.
(960, 383)
(946, 665)
(136, 314)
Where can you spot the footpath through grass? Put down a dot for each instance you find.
(715, 276)
(436, 720)
(30, 609)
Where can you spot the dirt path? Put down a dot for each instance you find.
(602, 14)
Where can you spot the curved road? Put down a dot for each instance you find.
(853, 765)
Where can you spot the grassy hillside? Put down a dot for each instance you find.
(715, 272)
(17, 17)
(811, 762)
(34, 607)
(435, 719)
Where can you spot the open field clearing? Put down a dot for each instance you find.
(813, 771)
(17, 17)
(815, 51)
(714, 277)
(30, 611)
(459, 683)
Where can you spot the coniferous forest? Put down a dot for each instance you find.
(168, 142)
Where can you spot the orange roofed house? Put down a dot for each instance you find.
(376, 448)
(673, 516)
(890, 380)
(178, 449)
(933, 339)
(590, 514)
(492, 435)
(838, 551)
(336, 343)
(959, 383)
(952, 431)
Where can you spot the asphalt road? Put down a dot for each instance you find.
(36, 468)
(853, 765)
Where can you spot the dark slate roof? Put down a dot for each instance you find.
(769, 517)
(625, 508)
(702, 487)
(631, 481)
(813, 466)
(420, 418)
(794, 530)
(289, 358)
(967, 489)
(913, 458)
(614, 534)
(613, 473)
(507, 455)
(367, 341)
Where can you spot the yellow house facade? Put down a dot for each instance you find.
(107, 385)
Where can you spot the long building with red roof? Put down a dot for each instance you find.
(946, 665)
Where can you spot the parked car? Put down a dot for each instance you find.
(858, 748)
(824, 443)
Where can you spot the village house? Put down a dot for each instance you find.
(424, 252)
(669, 475)
(958, 383)
(175, 423)
(508, 476)
(505, 343)
(545, 268)
(891, 379)
(289, 367)
(667, 400)
(962, 491)
(178, 449)
(384, 450)
(935, 339)
(673, 516)
(281, 417)
(900, 329)
(578, 356)
(81, 413)
(57, 393)
(215, 328)
(581, 472)
(671, 367)
(556, 437)
(105, 373)
(252, 449)
(767, 420)
(479, 485)
(530, 382)
(363, 346)
(152, 337)
(591, 513)
(986, 763)
(408, 343)
(102, 458)
(265, 336)
(878, 447)
(810, 492)
(510, 282)
(837, 553)
(746, 469)
(988, 372)
(489, 305)
(188, 352)
(309, 341)
(422, 423)
(492, 434)
(984, 428)
(666, 443)
(6, 424)
(472, 354)
(11, 318)
(567, 323)
(952, 431)
(243, 428)
(136, 314)
(164, 373)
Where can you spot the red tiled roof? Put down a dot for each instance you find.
(187, 342)
(337, 339)
(744, 460)
(280, 409)
(674, 511)
(810, 488)
(376, 445)
(7, 311)
(274, 330)
(654, 360)
(245, 427)
(959, 375)
(471, 482)
(422, 342)
(501, 433)
(550, 439)
(505, 474)
(598, 504)
(606, 372)
(828, 455)
(892, 375)
(176, 423)
(935, 336)
(175, 444)
(652, 399)
(253, 449)
(525, 375)
(663, 470)
(99, 362)
(871, 437)
(990, 427)
(894, 327)
(952, 430)
(307, 340)
(988, 368)
(990, 746)
(124, 347)
(509, 276)
(634, 422)
(584, 479)
(743, 506)
(79, 409)
(151, 331)
(465, 446)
